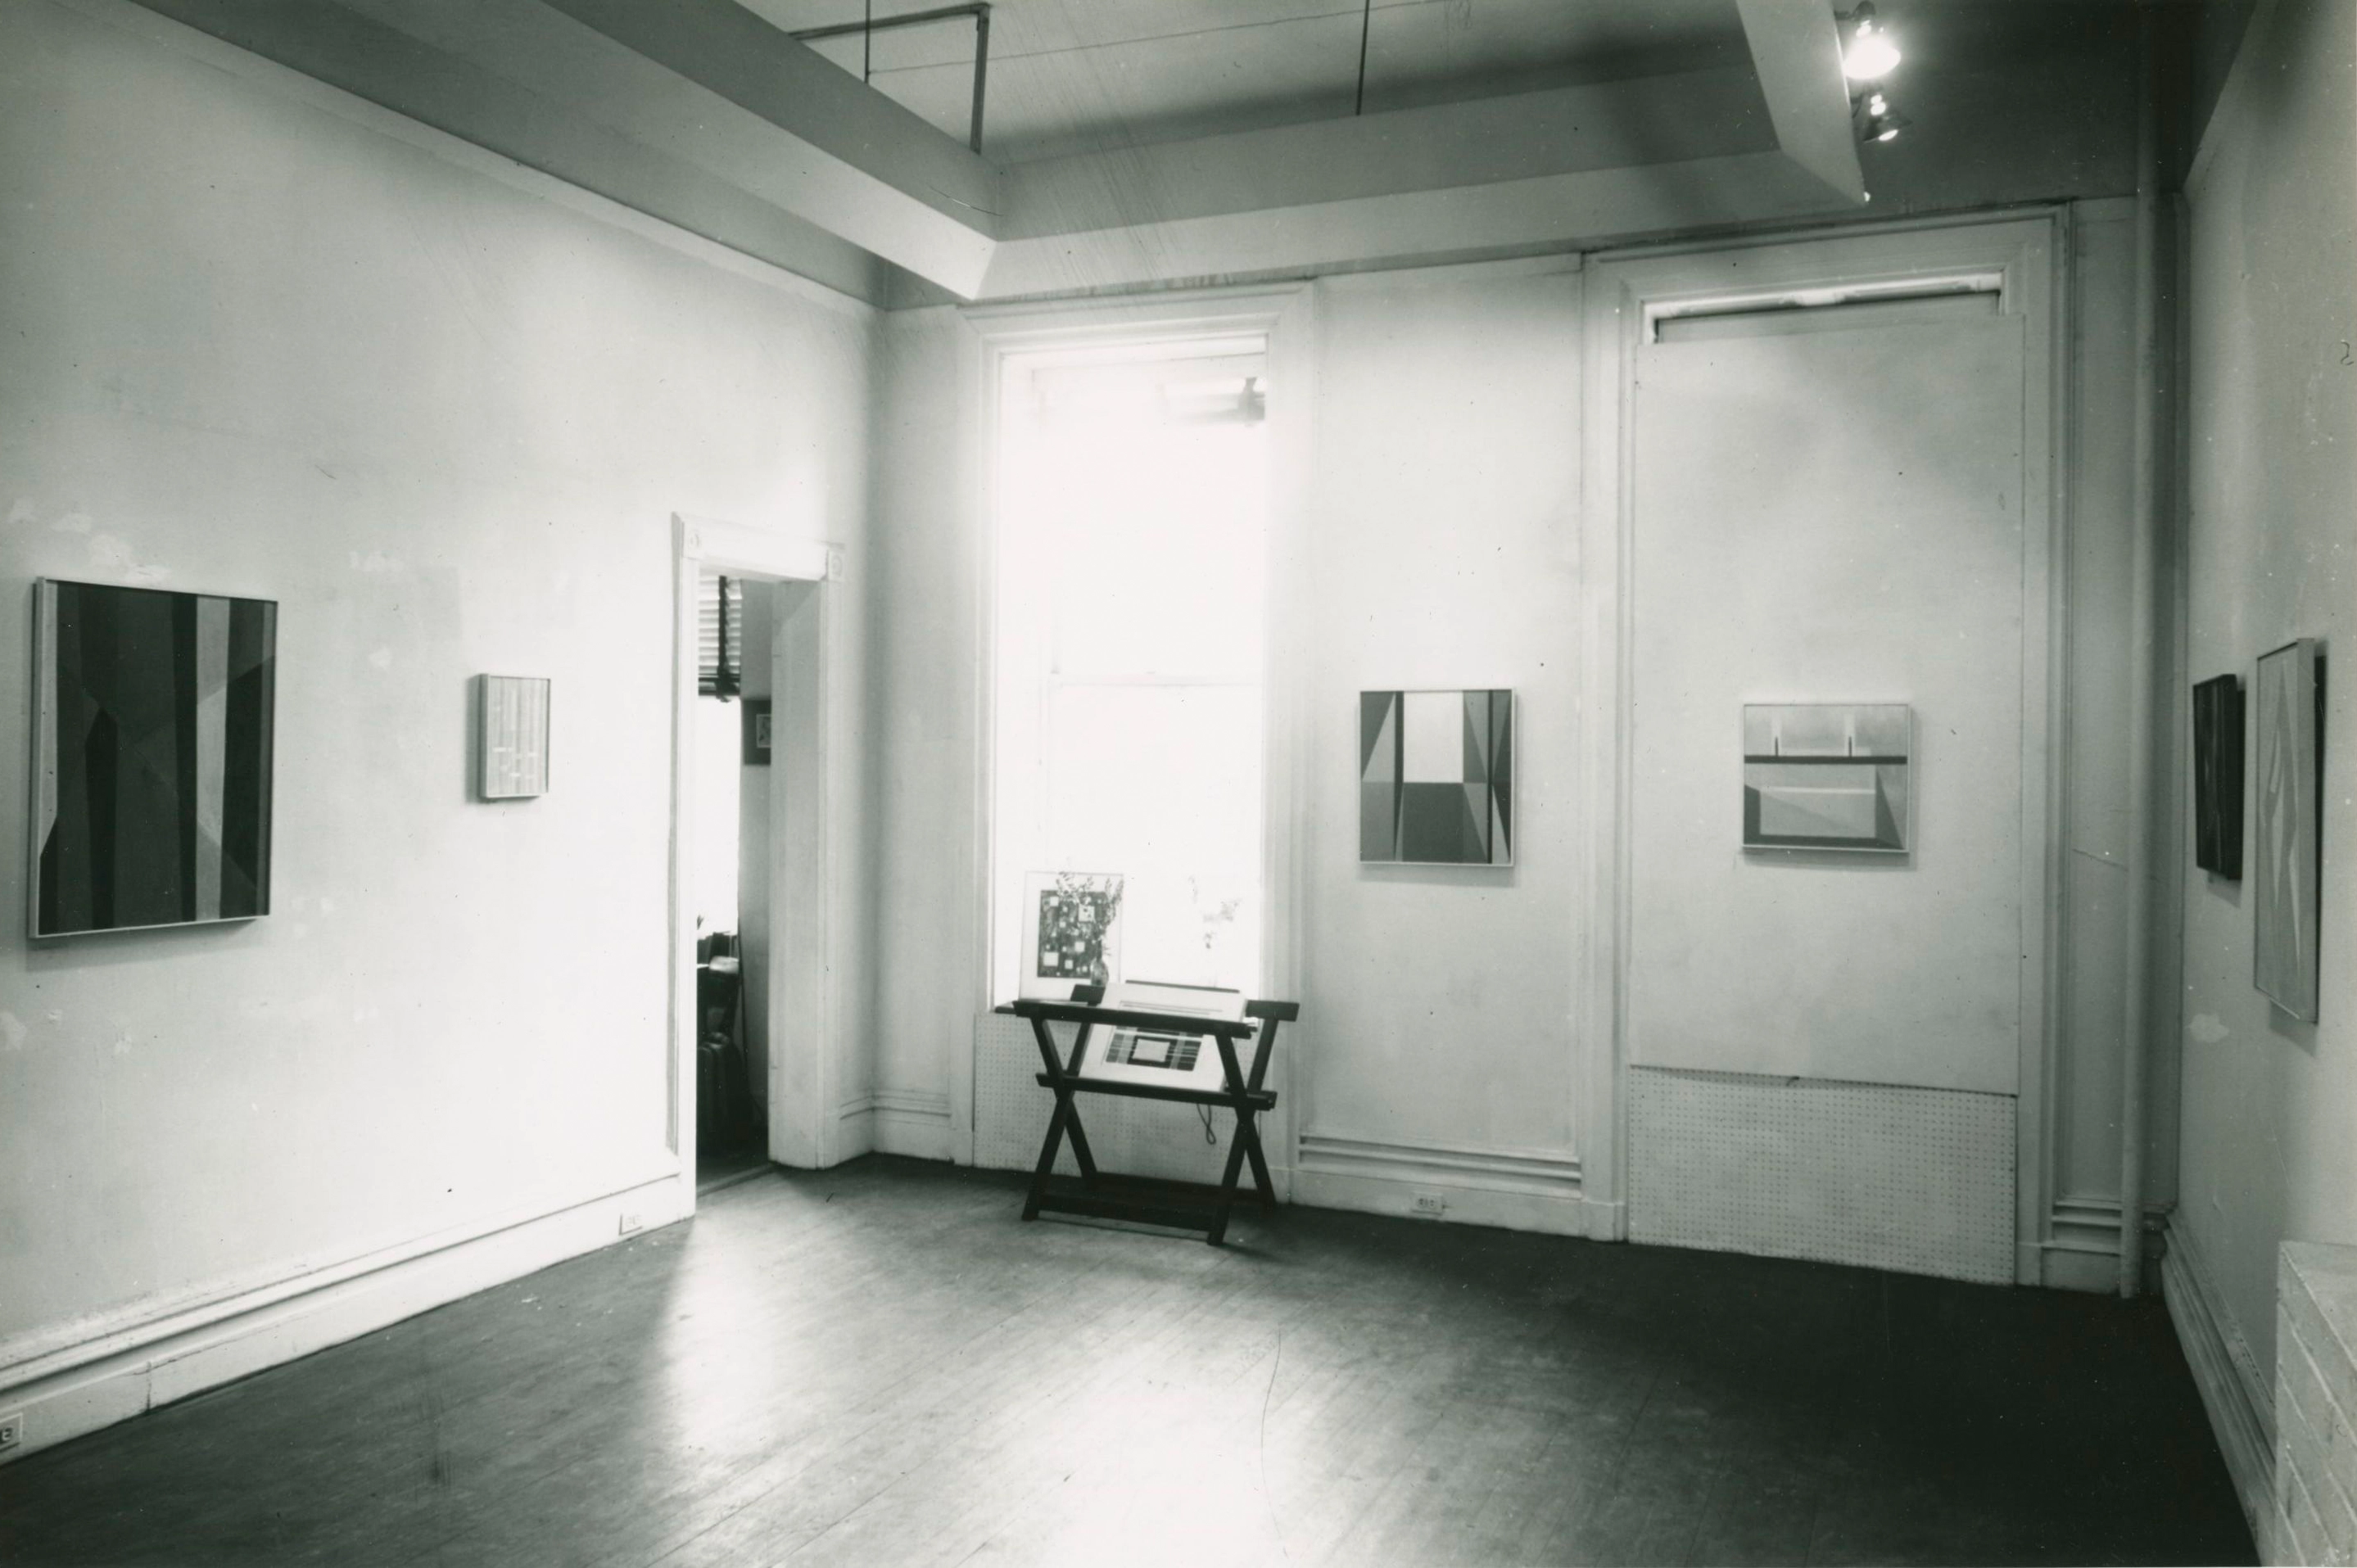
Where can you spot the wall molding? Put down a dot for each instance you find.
(916, 1122)
(2239, 1397)
(2082, 1250)
(131, 1361)
(1512, 1189)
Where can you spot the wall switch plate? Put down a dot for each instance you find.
(1431, 1203)
(12, 1430)
(633, 1220)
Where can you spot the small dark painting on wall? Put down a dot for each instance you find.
(151, 758)
(756, 731)
(2218, 777)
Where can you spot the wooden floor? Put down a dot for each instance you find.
(881, 1365)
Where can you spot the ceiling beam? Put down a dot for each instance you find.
(774, 132)
(1796, 49)
(1428, 225)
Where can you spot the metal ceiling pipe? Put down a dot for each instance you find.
(979, 10)
(2144, 613)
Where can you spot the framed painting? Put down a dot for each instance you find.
(513, 740)
(1071, 932)
(1828, 775)
(2218, 777)
(152, 737)
(1437, 778)
(2287, 869)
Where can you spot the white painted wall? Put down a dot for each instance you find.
(261, 346)
(1436, 1002)
(1801, 531)
(1441, 530)
(2270, 1105)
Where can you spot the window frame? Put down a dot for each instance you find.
(1280, 317)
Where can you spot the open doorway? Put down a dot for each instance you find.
(730, 735)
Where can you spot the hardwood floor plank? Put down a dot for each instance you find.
(881, 1364)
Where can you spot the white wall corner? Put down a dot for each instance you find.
(2239, 1399)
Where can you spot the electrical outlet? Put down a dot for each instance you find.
(633, 1220)
(12, 1430)
(1431, 1203)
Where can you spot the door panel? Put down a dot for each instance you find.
(1829, 517)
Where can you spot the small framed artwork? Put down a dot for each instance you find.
(2218, 777)
(2289, 866)
(1827, 776)
(1071, 932)
(153, 714)
(1437, 778)
(756, 731)
(513, 738)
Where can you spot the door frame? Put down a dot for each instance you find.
(808, 929)
(1625, 292)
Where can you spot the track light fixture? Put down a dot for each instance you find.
(1868, 53)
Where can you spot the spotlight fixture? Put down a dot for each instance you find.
(1882, 125)
(1868, 53)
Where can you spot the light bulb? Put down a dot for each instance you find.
(1870, 53)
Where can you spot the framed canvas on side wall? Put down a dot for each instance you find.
(2287, 859)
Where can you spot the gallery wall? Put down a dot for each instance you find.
(264, 341)
(1438, 1047)
(2270, 1104)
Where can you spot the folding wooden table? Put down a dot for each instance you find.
(1185, 1206)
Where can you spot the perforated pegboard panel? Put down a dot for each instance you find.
(1917, 1180)
(1131, 1137)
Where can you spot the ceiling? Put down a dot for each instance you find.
(1072, 77)
(1134, 143)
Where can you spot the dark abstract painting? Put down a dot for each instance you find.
(152, 751)
(1437, 776)
(2218, 777)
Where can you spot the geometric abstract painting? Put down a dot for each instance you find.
(512, 735)
(1437, 776)
(1826, 776)
(151, 758)
(2287, 872)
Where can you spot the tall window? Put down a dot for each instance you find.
(1132, 569)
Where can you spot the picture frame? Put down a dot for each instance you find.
(1071, 932)
(2218, 757)
(2287, 859)
(511, 740)
(154, 720)
(1828, 775)
(756, 735)
(1437, 776)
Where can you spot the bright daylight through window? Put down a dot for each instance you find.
(1133, 537)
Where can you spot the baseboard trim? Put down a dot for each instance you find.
(131, 1368)
(900, 1121)
(1514, 1190)
(2239, 1399)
